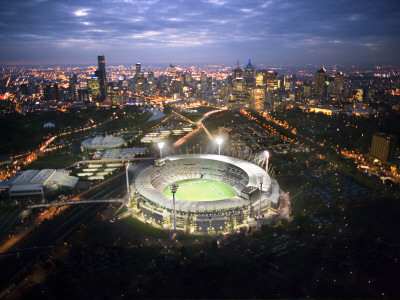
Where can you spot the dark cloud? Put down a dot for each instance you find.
(270, 31)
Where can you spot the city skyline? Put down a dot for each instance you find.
(270, 32)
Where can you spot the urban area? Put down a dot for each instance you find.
(146, 181)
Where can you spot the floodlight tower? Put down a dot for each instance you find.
(219, 142)
(260, 180)
(161, 145)
(173, 188)
(127, 179)
(267, 158)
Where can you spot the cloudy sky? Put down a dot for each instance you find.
(200, 31)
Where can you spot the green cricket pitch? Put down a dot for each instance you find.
(201, 190)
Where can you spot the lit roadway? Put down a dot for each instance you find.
(200, 126)
(23, 159)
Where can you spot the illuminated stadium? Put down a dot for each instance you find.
(215, 193)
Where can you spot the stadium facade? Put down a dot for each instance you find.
(195, 214)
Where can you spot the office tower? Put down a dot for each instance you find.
(113, 93)
(172, 70)
(257, 99)
(272, 81)
(188, 76)
(320, 82)
(338, 85)
(330, 86)
(249, 74)
(138, 69)
(237, 74)
(383, 146)
(93, 87)
(261, 78)
(203, 81)
(102, 77)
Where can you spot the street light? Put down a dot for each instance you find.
(267, 157)
(219, 142)
(161, 145)
(173, 188)
(260, 180)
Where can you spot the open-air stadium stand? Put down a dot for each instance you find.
(237, 173)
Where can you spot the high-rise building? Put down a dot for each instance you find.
(330, 86)
(383, 147)
(261, 78)
(272, 81)
(257, 99)
(320, 82)
(93, 87)
(237, 74)
(102, 77)
(249, 74)
(203, 82)
(172, 70)
(138, 69)
(188, 76)
(338, 85)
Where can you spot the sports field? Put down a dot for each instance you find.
(201, 190)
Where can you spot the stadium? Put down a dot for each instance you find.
(215, 193)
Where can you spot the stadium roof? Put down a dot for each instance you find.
(100, 142)
(36, 180)
(252, 170)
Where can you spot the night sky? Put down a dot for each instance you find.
(361, 32)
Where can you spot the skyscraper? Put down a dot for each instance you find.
(338, 85)
(249, 74)
(320, 82)
(257, 99)
(272, 80)
(138, 69)
(237, 74)
(261, 78)
(93, 87)
(102, 77)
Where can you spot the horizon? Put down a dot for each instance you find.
(200, 32)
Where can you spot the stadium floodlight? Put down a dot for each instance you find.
(260, 180)
(219, 141)
(173, 188)
(267, 158)
(127, 179)
(161, 145)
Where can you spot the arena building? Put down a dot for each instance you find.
(102, 143)
(215, 193)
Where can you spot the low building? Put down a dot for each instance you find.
(36, 184)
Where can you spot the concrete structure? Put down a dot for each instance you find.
(203, 216)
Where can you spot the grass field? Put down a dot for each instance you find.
(201, 190)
